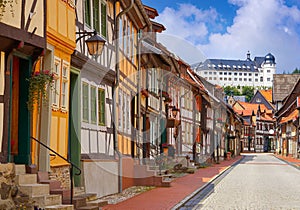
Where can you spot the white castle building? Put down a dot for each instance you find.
(257, 73)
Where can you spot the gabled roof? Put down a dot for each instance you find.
(250, 106)
(267, 94)
(264, 97)
(282, 85)
(289, 102)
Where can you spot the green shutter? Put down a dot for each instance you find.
(96, 15)
(101, 106)
(85, 102)
(103, 20)
(93, 105)
(87, 12)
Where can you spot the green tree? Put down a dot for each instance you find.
(296, 71)
(230, 90)
(248, 91)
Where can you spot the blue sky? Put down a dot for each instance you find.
(199, 29)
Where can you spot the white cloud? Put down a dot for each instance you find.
(261, 26)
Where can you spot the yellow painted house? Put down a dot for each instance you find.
(54, 119)
(129, 27)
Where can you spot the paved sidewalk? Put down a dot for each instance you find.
(167, 197)
(290, 160)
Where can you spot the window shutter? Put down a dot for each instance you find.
(87, 14)
(85, 102)
(93, 105)
(103, 20)
(96, 15)
(101, 106)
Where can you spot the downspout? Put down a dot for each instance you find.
(115, 86)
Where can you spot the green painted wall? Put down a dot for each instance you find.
(23, 156)
(74, 123)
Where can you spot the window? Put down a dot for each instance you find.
(65, 86)
(205, 72)
(210, 73)
(221, 73)
(268, 71)
(245, 79)
(250, 79)
(229, 73)
(261, 79)
(268, 79)
(245, 74)
(240, 79)
(235, 74)
(235, 79)
(240, 74)
(225, 73)
(85, 102)
(56, 85)
(93, 104)
(250, 74)
(95, 16)
(256, 75)
(101, 106)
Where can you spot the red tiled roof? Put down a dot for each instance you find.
(267, 94)
(249, 106)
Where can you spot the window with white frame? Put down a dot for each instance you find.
(96, 16)
(56, 84)
(93, 104)
(65, 86)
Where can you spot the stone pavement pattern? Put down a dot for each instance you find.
(260, 181)
(166, 198)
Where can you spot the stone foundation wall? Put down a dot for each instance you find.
(62, 174)
(7, 186)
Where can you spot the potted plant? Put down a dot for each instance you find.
(39, 82)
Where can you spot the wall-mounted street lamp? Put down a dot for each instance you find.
(174, 111)
(94, 44)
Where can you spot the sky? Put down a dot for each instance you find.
(228, 29)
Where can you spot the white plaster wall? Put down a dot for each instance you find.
(101, 177)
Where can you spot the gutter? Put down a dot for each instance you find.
(115, 86)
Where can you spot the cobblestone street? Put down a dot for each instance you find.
(260, 181)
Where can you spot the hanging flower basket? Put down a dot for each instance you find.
(168, 100)
(39, 83)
